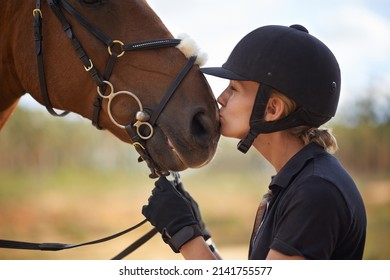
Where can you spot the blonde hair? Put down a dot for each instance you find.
(321, 136)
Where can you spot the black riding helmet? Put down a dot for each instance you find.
(294, 63)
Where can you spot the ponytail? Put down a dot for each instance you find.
(320, 136)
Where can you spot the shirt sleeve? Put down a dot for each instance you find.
(310, 220)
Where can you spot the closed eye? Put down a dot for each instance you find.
(91, 3)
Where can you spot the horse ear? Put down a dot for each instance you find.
(189, 48)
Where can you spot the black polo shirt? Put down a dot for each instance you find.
(316, 210)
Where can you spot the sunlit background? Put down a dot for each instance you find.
(62, 180)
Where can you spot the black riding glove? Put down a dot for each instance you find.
(172, 215)
(195, 207)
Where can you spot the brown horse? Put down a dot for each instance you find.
(183, 134)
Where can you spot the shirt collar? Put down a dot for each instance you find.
(295, 164)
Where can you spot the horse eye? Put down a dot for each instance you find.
(91, 2)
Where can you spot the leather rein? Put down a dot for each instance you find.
(140, 131)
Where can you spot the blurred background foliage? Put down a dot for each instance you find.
(61, 180)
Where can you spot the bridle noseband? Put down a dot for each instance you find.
(143, 128)
(140, 131)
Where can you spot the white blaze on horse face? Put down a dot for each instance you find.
(189, 48)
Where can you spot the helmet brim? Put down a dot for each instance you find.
(222, 73)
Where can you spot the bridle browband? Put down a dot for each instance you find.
(140, 131)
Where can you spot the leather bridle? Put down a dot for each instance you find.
(140, 131)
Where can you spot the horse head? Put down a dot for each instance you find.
(129, 81)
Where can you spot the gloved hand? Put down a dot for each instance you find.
(195, 207)
(172, 215)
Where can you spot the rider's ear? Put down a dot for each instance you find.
(275, 109)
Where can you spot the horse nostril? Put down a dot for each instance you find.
(200, 128)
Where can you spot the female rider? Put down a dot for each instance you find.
(284, 84)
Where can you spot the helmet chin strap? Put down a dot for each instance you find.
(259, 126)
(260, 105)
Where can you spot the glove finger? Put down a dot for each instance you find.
(148, 214)
(178, 186)
(145, 212)
(156, 190)
(162, 183)
(184, 193)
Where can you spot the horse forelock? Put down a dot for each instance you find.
(189, 48)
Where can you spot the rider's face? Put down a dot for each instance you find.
(236, 107)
